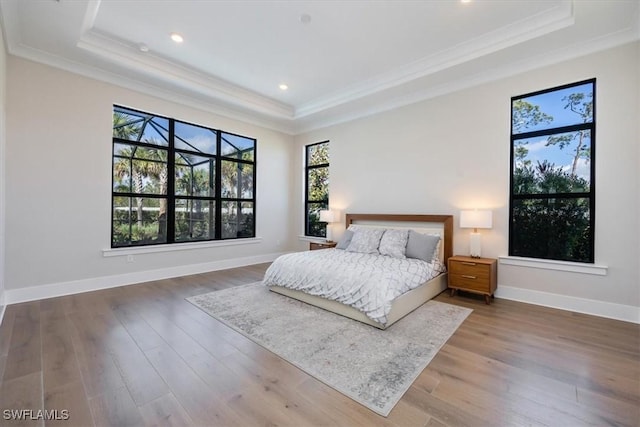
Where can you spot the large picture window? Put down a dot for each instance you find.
(179, 182)
(553, 173)
(316, 187)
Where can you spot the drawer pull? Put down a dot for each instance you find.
(468, 263)
(466, 276)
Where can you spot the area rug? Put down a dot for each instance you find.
(371, 366)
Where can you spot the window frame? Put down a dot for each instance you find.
(590, 195)
(171, 195)
(307, 169)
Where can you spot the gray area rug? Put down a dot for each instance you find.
(373, 367)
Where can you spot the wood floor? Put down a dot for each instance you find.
(142, 355)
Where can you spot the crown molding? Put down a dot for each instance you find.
(90, 16)
(300, 126)
(175, 83)
(546, 22)
(9, 17)
(168, 94)
(172, 73)
(129, 57)
(10, 25)
(584, 48)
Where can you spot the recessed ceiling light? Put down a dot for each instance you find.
(305, 18)
(177, 38)
(465, 1)
(283, 86)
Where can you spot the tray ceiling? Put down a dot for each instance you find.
(340, 60)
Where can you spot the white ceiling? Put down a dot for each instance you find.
(352, 59)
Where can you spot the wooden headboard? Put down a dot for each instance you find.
(445, 220)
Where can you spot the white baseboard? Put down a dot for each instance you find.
(609, 310)
(628, 313)
(3, 308)
(13, 296)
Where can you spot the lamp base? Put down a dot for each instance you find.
(475, 244)
(328, 234)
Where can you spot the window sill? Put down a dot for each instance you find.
(546, 264)
(178, 247)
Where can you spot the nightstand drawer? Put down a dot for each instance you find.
(469, 268)
(471, 282)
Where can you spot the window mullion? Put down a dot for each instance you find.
(218, 189)
(551, 196)
(552, 131)
(171, 200)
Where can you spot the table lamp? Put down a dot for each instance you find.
(328, 216)
(475, 219)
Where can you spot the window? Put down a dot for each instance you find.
(178, 182)
(316, 188)
(552, 202)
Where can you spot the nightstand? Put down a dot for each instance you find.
(477, 275)
(321, 245)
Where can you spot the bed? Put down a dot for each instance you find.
(329, 263)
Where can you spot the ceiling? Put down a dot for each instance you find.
(340, 59)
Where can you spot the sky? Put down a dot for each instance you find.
(552, 104)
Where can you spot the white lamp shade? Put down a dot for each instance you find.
(327, 216)
(476, 219)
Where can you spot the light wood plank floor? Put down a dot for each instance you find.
(142, 355)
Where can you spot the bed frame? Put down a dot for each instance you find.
(406, 302)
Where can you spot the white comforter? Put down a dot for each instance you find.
(366, 282)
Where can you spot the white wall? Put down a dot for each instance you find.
(3, 103)
(59, 183)
(452, 152)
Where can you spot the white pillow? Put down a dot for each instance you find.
(365, 240)
(394, 243)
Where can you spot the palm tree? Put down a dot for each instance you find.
(194, 181)
(125, 128)
(152, 165)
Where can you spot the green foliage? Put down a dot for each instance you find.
(319, 177)
(126, 234)
(546, 178)
(316, 228)
(123, 127)
(582, 105)
(192, 181)
(552, 228)
(556, 229)
(139, 170)
(231, 227)
(521, 152)
(237, 179)
(526, 115)
(192, 226)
